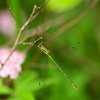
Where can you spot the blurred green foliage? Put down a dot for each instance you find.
(83, 66)
(62, 5)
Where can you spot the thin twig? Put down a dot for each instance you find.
(31, 16)
(38, 28)
(42, 10)
(34, 16)
(29, 43)
(71, 23)
(12, 15)
(46, 25)
(20, 32)
(26, 43)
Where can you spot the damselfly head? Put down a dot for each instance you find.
(40, 44)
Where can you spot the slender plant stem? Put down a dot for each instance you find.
(21, 30)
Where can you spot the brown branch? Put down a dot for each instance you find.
(42, 12)
(39, 28)
(45, 6)
(34, 16)
(29, 43)
(12, 15)
(71, 23)
(26, 43)
(20, 32)
(30, 18)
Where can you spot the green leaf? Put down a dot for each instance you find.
(62, 5)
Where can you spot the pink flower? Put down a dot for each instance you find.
(13, 65)
(7, 25)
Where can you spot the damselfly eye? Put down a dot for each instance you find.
(39, 46)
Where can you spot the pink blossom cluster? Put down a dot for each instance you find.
(13, 65)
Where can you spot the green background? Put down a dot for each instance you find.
(82, 64)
